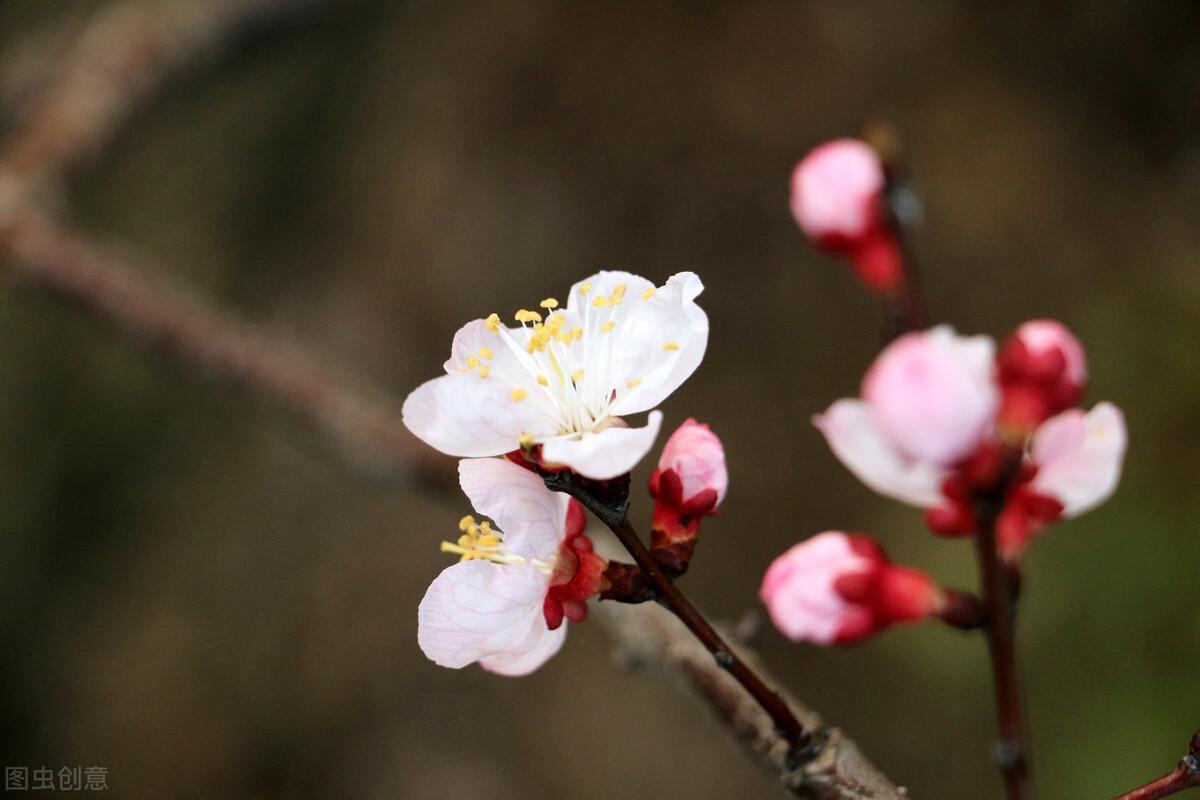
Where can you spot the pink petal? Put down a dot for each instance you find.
(477, 609)
(856, 440)
(611, 452)
(798, 588)
(532, 517)
(1079, 457)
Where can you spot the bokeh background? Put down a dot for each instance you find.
(195, 596)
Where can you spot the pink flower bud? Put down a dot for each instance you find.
(696, 455)
(836, 200)
(932, 394)
(840, 588)
(1043, 370)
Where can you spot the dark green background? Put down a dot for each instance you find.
(194, 596)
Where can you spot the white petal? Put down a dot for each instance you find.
(463, 414)
(532, 517)
(539, 646)
(607, 454)
(659, 344)
(855, 439)
(1079, 457)
(603, 284)
(477, 609)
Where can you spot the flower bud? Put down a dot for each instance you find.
(1042, 371)
(696, 455)
(836, 199)
(840, 588)
(931, 394)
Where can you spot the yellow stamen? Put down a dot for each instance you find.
(492, 322)
(472, 362)
(671, 346)
(524, 315)
(525, 440)
(585, 288)
(608, 326)
(549, 302)
(577, 375)
(577, 333)
(519, 394)
(485, 352)
(542, 380)
(646, 295)
(484, 370)
(633, 382)
(599, 301)
(466, 522)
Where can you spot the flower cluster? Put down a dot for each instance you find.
(548, 396)
(943, 424)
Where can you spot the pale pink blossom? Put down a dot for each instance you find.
(490, 606)
(696, 455)
(1045, 337)
(1079, 457)
(835, 191)
(838, 588)
(927, 402)
(564, 380)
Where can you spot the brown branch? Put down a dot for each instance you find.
(120, 58)
(650, 635)
(363, 425)
(999, 586)
(1186, 775)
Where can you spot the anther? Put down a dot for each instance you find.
(646, 295)
(466, 522)
(608, 326)
(492, 323)
(577, 375)
(585, 288)
(549, 302)
(671, 346)
(484, 370)
(542, 380)
(632, 383)
(519, 394)
(525, 440)
(599, 301)
(485, 352)
(472, 362)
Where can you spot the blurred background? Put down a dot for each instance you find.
(195, 596)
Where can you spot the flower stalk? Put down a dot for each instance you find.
(611, 508)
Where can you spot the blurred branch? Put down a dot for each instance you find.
(363, 425)
(651, 636)
(1186, 775)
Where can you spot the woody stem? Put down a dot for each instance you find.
(999, 585)
(612, 511)
(1186, 775)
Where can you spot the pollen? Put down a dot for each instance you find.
(618, 294)
(599, 301)
(484, 370)
(519, 394)
(549, 302)
(632, 383)
(472, 362)
(542, 380)
(646, 295)
(584, 289)
(466, 522)
(608, 326)
(492, 322)
(671, 346)
(485, 352)
(577, 375)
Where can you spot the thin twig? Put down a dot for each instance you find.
(1186, 775)
(999, 588)
(613, 513)
(650, 636)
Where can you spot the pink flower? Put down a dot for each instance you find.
(836, 200)
(839, 588)
(927, 402)
(1042, 371)
(561, 386)
(503, 603)
(696, 456)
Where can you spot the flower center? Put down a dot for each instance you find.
(481, 542)
(570, 356)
